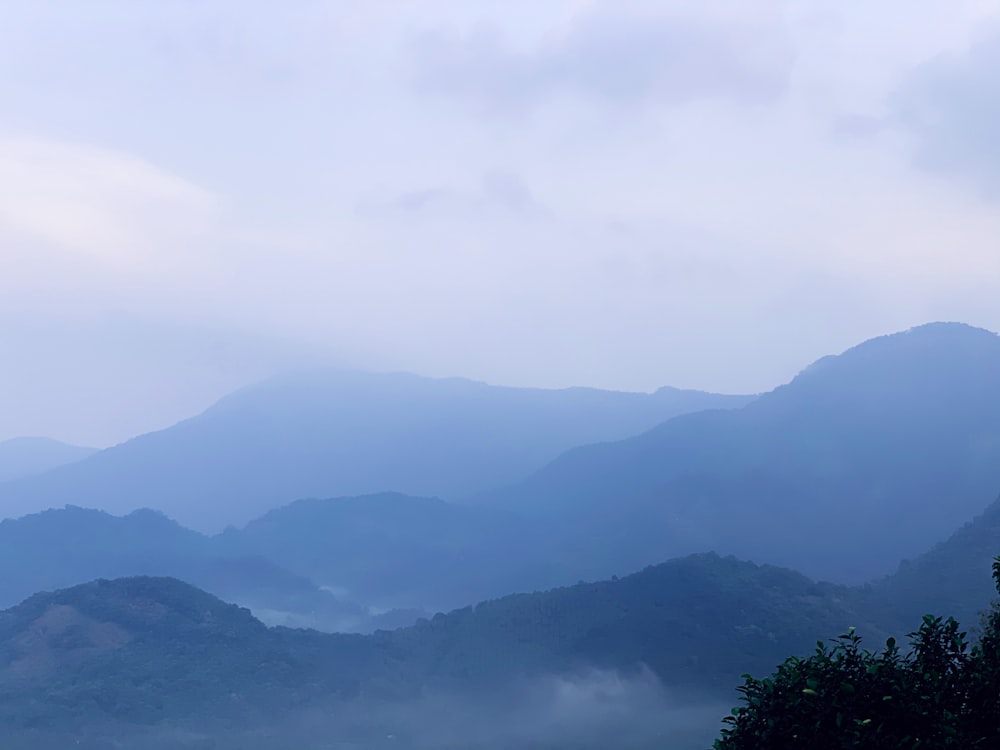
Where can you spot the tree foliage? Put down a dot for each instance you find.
(940, 693)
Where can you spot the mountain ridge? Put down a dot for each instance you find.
(665, 618)
(59, 548)
(330, 433)
(797, 475)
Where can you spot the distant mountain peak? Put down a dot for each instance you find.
(934, 344)
(947, 326)
(928, 334)
(332, 433)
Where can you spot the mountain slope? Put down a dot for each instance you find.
(149, 649)
(696, 621)
(346, 433)
(22, 457)
(396, 551)
(863, 459)
(949, 576)
(59, 548)
(144, 649)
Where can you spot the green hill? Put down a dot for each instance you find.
(696, 622)
(142, 650)
(138, 654)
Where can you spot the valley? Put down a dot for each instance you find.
(360, 606)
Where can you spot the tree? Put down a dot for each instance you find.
(939, 694)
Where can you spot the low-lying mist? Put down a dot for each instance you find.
(595, 709)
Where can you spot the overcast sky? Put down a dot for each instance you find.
(195, 194)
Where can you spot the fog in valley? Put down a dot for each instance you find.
(581, 711)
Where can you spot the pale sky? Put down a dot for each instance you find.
(195, 194)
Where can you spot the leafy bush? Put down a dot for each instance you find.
(939, 694)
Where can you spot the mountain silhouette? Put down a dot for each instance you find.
(63, 547)
(335, 433)
(147, 650)
(863, 459)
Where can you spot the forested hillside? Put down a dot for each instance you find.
(144, 651)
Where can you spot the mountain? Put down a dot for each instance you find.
(22, 457)
(132, 656)
(696, 622)
(59, 548)
(863, 459)
(344, 564)
(388, 549)
(948, 577)
(144, 649)
(398, 551)
(346, 433)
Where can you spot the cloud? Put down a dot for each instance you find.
(507, 190)
(951, 106)
(616, 56)
(123, 373)
(655, 197)
(496, 195)
(848, 128)
(107, 206)
(589, 709)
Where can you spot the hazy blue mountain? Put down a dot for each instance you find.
(149, 652)
(393, 550)
(22, 457)
(59, 548)
(949, 576)
(862, 460)
(346, 433)
(339, 564)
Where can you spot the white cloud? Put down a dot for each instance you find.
(110, 207)
(622, 205)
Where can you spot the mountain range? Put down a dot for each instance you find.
(864, 459)
(60, 548)
(152, 662)
(867, 458)
(136, 654)
(332, 433)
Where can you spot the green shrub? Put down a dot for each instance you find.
(940, 693)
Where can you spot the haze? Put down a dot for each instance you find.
(194, 196)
